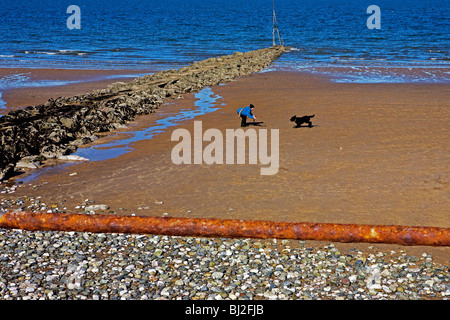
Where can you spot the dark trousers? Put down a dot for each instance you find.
(243, 121)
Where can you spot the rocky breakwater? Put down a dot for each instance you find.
(56, 128)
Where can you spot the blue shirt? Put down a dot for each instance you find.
(246, 112)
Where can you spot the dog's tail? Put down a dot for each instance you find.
(312, 116)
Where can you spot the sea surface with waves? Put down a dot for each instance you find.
(327, 36)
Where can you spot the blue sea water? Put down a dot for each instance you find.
(156, 35)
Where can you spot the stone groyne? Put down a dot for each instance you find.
(56, 128)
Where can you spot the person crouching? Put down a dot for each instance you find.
(244, 113)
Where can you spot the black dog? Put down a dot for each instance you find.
(304, 119)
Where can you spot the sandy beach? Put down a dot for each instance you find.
(127, 172)
(376, 154)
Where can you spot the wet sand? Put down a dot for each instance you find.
(87, 80)
(377, 154)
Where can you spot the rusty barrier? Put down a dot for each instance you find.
(227, 228)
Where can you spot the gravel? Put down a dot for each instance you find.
(51, 265)
(73, 265)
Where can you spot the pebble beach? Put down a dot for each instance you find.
(49, 265)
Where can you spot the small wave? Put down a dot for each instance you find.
(73, 52)
(37, 52)
(24, 80)
(14, 80)
(56, 52)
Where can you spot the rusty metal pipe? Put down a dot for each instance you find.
(227, 228)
